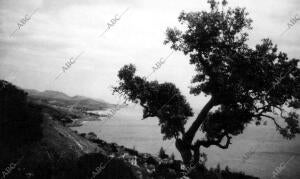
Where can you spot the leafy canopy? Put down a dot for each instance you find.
(154, 97)
(246, 83)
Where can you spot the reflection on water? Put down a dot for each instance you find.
(126, 128)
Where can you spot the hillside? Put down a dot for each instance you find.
(63, 100)
(58, 155)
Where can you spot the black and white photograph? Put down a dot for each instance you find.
(149, 89)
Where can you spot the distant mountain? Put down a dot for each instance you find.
(63, 100)
(55, 94)
(77, 97)
(32, 91)
(48, 94)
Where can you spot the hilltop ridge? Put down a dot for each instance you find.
(63, 100)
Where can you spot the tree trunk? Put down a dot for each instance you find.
(184, 145)
(190, 154)
(184, 150)
(190, 134)
(196, 155)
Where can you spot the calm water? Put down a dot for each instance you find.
(126, 128)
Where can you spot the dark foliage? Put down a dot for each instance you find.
(19, 120)
(216, 173)
(245, 84)
(153, 97)
(114, 168)
(162, 153)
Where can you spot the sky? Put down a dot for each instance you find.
(33, 56)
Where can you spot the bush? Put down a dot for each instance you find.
(172, 156)
(111, 168)
(162, 153)
(201, 171)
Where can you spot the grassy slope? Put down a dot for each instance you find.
(59, 154)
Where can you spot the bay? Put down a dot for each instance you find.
(266, 147)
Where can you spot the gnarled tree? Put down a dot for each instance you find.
(244, 84)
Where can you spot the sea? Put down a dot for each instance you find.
(259, 151)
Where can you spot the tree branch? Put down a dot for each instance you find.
(227, 143)
(147, 109)
(274, 120)
(208, 143)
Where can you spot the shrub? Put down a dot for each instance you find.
(162, 153)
